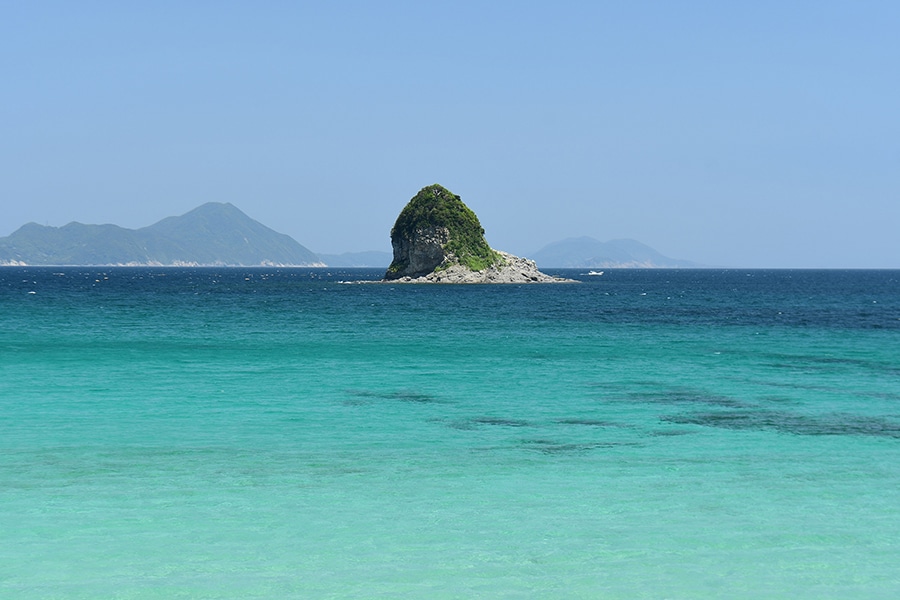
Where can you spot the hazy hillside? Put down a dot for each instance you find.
(587, 252)
(212, 234)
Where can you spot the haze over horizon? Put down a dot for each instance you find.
(763, 135)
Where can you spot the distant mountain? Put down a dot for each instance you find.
(211, 234)
(373, 258)
(586, 252)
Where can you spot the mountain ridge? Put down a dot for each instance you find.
(586, 252)
(213, 234)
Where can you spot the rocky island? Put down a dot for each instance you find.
(438, 239)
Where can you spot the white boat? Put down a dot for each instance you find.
(595, 273)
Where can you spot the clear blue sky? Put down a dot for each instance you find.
(754, 134)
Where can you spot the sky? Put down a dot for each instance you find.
(753, 134)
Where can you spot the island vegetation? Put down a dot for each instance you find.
(438, 239)
(437, 208)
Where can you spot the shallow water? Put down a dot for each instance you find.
(252, 433)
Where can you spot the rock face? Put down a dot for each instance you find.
(419, 253)
(436, 230)
(438, 239)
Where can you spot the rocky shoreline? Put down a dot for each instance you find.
(513, 269)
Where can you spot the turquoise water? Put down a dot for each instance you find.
(204, 433)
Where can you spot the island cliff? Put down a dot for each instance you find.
(438, 239)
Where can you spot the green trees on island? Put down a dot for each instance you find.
(436, 207)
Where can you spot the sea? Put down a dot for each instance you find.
(277, 433)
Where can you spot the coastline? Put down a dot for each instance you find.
(514, 269)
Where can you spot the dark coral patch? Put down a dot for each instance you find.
(793, 423)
